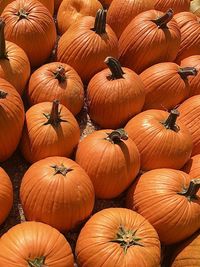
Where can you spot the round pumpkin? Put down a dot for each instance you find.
(176, 5)
(195, 7)
(114, 95)
(162, 143)
(151, 37)
(118, 237)
(169, 200)
(166, 85)
(111, 160)
(86, 45)
(63, 189)
(56, 80)
(31, 26)
(50, 130)
(72, 10)
(35, 244)
(192, 167)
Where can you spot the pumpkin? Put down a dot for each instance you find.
(86, 45)
(114, 95)
(14, 63)
(6, 195)
(192, 167)
(176, 5)
(50, 130)
(11, 119)
(118, 237)
(30, 26)
(166, 85)
(194, 81)
(151, 37)
(35, 244)
(169, 200)
(162, 143)
(195, 7)
(56, 80)
(111, 160)
(71, 10)
(64, 189)
(190, 35)
(121, 13)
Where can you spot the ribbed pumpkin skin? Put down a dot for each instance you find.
(72, 10)
(193, 61)
(195, 7)
(120, 13)
(43, 86)
(143, 44)
(176, 5)
(192, 167)
(30, 240)
(95, 248)
(159, 147)
(189, 25)
(6, 195)
(11, 120)
(155, 196)
(40, 141)
(111, 167)
(113, 102)
(85, 50)
(164, 86)
(35, 35)
(66, 199)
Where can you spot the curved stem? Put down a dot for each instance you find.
(187, 71)
(22, 14)
(170, 122)
(115, 68)
(37, 262)
(117, 136)
(191, 191)
(3, 94)
(2, 40)
(162, 21)
(60, 74)
(61, 169)
(100, 22)
(54, 117)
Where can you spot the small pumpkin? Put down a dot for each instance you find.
(195, 7)
(50, 130)
(56, 80)
(176, 5)
(35, 244)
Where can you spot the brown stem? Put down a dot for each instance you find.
(115, 68)
(117, 136)
(187, 71)
(22, 14)
(100, 22)
(191, 191)
(61, 169)
(170, 122)
(60, 74)
(37, 262)
(3, 94)
(2, 40)
(162, 21)
(54, 117)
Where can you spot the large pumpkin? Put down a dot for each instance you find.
(169, 200)
(176, 5)
(11, 119)
(31, 26)
(50, 130)
(151, 37)
(56, 80)
(111, 160)
(86, 45)
(114, 95)
(195, 7)
(166, 85)
(118, 237)
(162, 143)
(35, 244)
(63, 189)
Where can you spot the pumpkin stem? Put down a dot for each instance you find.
(117, 136)
(61, 169)
(22, 14)
(192, 190)
(185, 72)
(115, 68)
(3, 94)
(162, 21)
(3, 54)
(170, 122)
(100, 22)
(54, 117)
(127, 238)
(37, 262)
(60, 74)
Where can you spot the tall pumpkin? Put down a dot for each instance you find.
(50, 130)
(169, 200)
(176, 5)
(86, 45)
(11, 119)
(31, 26)
(162, 143)
(151, 37)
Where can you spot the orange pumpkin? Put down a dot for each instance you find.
(169, 200)
(192, 167)
(50, 130)
(176, 5)
(86, 45)
(35, 244)
(118, 237)
(151, 37)
(112, 161)
(166, 85)
(195, 7)
(161, 142)
(33, 29)
(56, 81)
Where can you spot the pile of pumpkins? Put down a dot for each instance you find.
(135, 65)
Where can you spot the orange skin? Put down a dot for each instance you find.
(192, 167)
(195, 7)
(176, 5)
